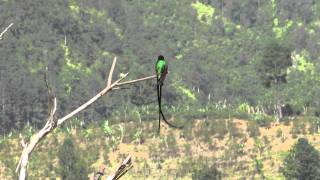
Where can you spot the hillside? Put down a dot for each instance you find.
(226, 144)
(261, 53)
(244, 80)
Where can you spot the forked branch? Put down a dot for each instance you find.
(52, 123)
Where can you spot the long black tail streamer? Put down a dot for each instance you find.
(159, 90)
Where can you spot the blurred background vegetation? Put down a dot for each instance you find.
(250, 59)
(242, 54)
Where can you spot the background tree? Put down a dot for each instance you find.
(302, 162)
(272, 68)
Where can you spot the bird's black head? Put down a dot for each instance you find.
(160, 57)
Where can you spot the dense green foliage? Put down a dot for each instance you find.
(218, 51)
(72, 167)
(302, 162)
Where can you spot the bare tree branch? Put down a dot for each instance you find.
(35, 139)
(121, 170)
(92, 100)
(5, 30)
(111, 72)
(52, 123)
(136, 80)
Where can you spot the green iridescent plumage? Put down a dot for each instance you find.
(161, 66)
(161, 69)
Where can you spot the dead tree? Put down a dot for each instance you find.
(53, 123)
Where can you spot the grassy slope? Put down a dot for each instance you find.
(234, 161)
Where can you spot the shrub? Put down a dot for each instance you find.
(220, 128)
(298, 127)
(203, 131)
(185, 166)
(234, 131)
(187, 149)
(154, 152)
(314, 125)
(187, 130)
(91, 153)
(72, 167)
(279, 133)
(130, 131)
(146, 168)
(261, 119)
(139, 136)
(234, 151)
(205, 172)
(259, 167)
(286, 121)
(253, 129)
(172, 145)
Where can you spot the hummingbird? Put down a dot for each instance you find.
(161, 68)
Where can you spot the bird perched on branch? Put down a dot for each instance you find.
(161, 68)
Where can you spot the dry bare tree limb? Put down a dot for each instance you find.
(103, 92)
(35, 139)
(5, 30)
(111, 72)
(52, 123)
(122, 169)
(24, 145)
(136, 80)
(92, 100)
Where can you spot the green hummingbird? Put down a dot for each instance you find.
(161, 68)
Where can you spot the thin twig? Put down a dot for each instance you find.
(136, 80)
(5, 30)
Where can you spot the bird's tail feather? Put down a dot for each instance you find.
(167, 122)
(160, 110)
(159, 104)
